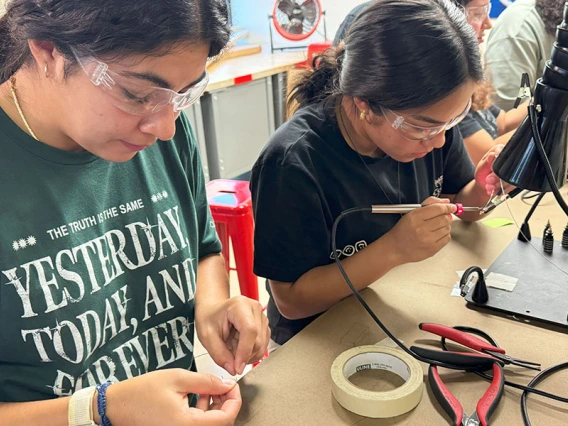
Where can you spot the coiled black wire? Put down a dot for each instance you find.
(367, 307)
(538, 378)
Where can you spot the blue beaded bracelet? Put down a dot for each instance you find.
(101, 403)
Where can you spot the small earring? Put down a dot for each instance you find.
(45, 71)
(362, 115)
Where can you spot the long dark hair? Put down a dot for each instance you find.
(399, 54)
(112, 28)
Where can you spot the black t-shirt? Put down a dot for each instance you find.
(485, 119)
(307, 175)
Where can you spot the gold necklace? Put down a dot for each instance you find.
(19, 108)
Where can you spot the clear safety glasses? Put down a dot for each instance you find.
(420, 133)
(133, 95)
(478, 14)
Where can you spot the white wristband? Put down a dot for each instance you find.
(80, 411)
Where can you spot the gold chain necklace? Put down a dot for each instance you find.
(350, 141)
(19, 108)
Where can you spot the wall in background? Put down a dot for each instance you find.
(253, 15)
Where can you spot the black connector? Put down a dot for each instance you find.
(546, 228)
(548, 241)
(474, 277)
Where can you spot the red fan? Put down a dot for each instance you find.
(296, 20)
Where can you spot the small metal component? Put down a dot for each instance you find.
(469, 284)
(494, 201)
(546, 228)
(407, 208)
(524, 92)
(548, 241)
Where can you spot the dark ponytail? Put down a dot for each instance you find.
(399, 54)
(109, 28)
(320, 83)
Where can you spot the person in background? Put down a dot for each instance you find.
(485, 125)
(109, 259)
(342, 30)
(521, 42)
(376, 125)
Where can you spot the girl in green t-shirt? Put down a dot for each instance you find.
(120, 256)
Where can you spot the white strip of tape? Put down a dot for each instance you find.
(377, 404)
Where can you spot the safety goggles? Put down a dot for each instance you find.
(420, 133)
(136, 97)
(478, 14)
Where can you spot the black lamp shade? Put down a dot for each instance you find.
(519, 163)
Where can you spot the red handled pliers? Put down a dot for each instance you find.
(463, 335)
(452, 406)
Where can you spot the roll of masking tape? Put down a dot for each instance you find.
(377, 404)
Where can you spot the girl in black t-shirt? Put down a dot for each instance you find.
(374, 125)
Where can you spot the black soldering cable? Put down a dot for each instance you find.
(527, 195)
(538, 378)
(534, 205)
(362, 301)
(525, 230)
(387, 331)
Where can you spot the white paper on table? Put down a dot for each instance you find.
(501, 281)
(456, 291)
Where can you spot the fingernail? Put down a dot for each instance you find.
(242, 368)
(454, 208)
(229, 368)
(229, 382)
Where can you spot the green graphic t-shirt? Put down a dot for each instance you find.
(97, 262)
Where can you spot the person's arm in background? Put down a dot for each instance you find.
(480, 142)
(510, 120)
(506, 59)
(476, 139)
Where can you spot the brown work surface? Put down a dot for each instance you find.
(293, 385)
